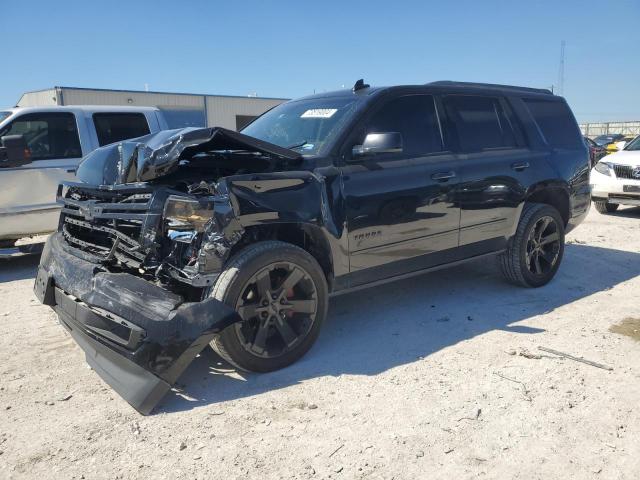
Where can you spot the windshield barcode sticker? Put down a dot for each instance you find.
(319, 113)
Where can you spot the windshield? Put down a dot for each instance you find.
(305, 126)
(633, 144)
(4, 115)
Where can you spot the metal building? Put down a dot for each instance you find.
(180, 109)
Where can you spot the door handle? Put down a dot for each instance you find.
(443, 176)
(71, 170)
(519, 166)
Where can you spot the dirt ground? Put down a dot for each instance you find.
(434, 377)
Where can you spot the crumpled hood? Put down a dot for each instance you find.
(158, 154)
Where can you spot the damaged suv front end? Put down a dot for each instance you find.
(139, 244)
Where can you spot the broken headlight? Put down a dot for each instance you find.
(183, 213)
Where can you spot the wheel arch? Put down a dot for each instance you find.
(553, 194)
(309, 237)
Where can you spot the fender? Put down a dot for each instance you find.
(311, 200)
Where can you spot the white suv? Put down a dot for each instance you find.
(615, 180)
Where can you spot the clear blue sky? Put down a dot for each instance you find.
(291, 48)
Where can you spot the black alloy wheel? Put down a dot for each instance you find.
(281, 293)
(278, 305)
(543, 246)
(535, 251)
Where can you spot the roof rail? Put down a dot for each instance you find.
(449, 83)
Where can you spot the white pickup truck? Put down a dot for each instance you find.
(42, 146)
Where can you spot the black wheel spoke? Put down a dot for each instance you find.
(285, 330)
(542, 226)
(260, 340)
(248, 311)
(550, 238)
(549, 257)
(292, 279)
(263, 283)
(536, 262)
(300, 306)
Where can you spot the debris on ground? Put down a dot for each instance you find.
(523, 353)
(576, 359)
(527, 354)
(477, 415)
(525, 390)
(336, 451)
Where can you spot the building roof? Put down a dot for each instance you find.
(150, 92)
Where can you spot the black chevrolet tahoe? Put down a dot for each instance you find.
(195, 237)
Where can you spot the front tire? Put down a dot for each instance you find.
(605, 207)
(536, 250)
(281, 294)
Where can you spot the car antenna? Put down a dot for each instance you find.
(359, 85)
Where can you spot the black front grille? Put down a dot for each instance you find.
(116, 225)
(624, 171)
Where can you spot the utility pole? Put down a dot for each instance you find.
(561, 69)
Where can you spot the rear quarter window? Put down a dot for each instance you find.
(481, 122)
(556, 122)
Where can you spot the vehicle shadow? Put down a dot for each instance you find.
(628, 212)
(374, 330)
(19, 268)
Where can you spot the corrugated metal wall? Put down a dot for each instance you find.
(146, 99)
(222, 111)
(44, 98)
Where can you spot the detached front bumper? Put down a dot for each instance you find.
(137, 336)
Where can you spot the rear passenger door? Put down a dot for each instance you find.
(117, 126)
(399, 206)
(495, 169)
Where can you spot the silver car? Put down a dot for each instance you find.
(43, 146)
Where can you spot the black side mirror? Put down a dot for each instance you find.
(376, 143)
(14, 151)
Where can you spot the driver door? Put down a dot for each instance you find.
(400, 207)
(28, 194)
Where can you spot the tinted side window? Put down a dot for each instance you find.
(48, 135)
(415, 118)
(556, 122)
(480, 122)
(114, 127)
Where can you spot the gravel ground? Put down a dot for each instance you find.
(434, 377)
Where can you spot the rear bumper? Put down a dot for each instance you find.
(137, 336)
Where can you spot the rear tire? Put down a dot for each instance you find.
(281, 293)
(605, 207)
(536, 249)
